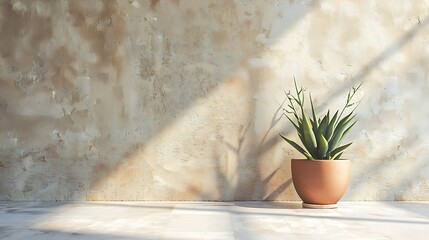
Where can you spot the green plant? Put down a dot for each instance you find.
(321, 137)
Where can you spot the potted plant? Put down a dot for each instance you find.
(322, 178)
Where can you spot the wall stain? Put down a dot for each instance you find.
(154, 4)
(61, 64)
(16, 26)
(220, 37)
(104, 34)
(190, 15)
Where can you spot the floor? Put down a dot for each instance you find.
(212, 220)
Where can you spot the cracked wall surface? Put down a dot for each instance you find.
(180, 100)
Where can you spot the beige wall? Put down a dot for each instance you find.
(178, 100)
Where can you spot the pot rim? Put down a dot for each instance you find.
(318, 160)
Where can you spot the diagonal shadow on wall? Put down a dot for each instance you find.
(387, 163)
(58, 154)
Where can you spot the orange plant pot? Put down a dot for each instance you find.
(321, 182)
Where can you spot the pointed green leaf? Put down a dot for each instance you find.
(302, 139)
(294, 124)
(347, 130)
(315, 122)
(297, 147)
(339, 150)
(346, 119)
(339, 131)
(331, 125)
(338, 156)
(323, 125)
(309, 138)
(327, 117)
(322, 147)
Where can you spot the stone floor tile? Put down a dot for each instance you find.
(212, 220)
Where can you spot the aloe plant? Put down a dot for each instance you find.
(320, 137)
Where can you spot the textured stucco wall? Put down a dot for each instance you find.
(179, 100)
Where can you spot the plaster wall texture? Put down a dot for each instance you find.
(180, 100)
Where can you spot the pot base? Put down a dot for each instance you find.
(319, 206)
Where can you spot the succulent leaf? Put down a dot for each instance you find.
(339, 150)
(333, 143)
(346, 119)
(331, 126)
(315, 122)
(339, 131)
(294, 124)
(338, 156)
(323, 147)
(348, 130)
(297, 147)
(309, 138)
(327, 116)
(323, 125)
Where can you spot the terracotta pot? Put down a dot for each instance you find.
(320, 181)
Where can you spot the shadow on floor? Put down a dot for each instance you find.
(35, 234)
